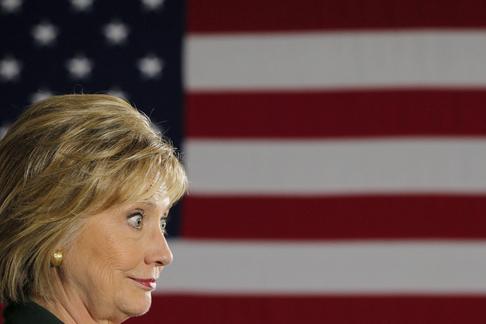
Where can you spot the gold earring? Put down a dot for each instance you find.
(56, 258)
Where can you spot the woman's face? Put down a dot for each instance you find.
(114, 262)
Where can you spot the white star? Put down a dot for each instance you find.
(79, 67)
(9, 69)
(150, 66)
(116, 32)
(44, 33)
(81, 5)
(117, 92)
(40, 94)
(3, 129)
(152, 4)
(10, 6)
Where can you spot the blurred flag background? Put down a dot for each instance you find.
(335, 149)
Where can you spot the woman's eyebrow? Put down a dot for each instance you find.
(152, 205)
(148, 203)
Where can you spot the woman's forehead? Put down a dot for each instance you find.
(158, 200)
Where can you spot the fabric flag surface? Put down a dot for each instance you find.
(336, 150)
(336, 154)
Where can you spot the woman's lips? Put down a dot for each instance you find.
(148, 284)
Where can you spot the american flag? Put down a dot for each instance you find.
(335, 149)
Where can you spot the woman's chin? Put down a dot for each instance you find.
(137, 306)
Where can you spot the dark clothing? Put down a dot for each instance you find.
(28, 313)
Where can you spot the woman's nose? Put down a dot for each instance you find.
(160, 253)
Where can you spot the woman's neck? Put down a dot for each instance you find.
(71, 309)
(68, 313)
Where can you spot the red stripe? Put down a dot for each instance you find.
(182, 309)
(336, 114)
(276, 15)
(319, 309)
(329, 218)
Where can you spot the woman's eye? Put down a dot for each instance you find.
(136, 221)
(163, 224)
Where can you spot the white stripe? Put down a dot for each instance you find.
(358, 267)
(336, 60)
(342, 167)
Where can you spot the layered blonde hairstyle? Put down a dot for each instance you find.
(65, 158)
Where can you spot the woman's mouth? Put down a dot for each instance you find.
(147, 284)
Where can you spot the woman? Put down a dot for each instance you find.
(86, 183)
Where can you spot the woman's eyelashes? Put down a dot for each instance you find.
(163, 224)
(135, 220)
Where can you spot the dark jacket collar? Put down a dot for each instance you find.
(28, 313)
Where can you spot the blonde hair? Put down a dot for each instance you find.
(64, 158)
